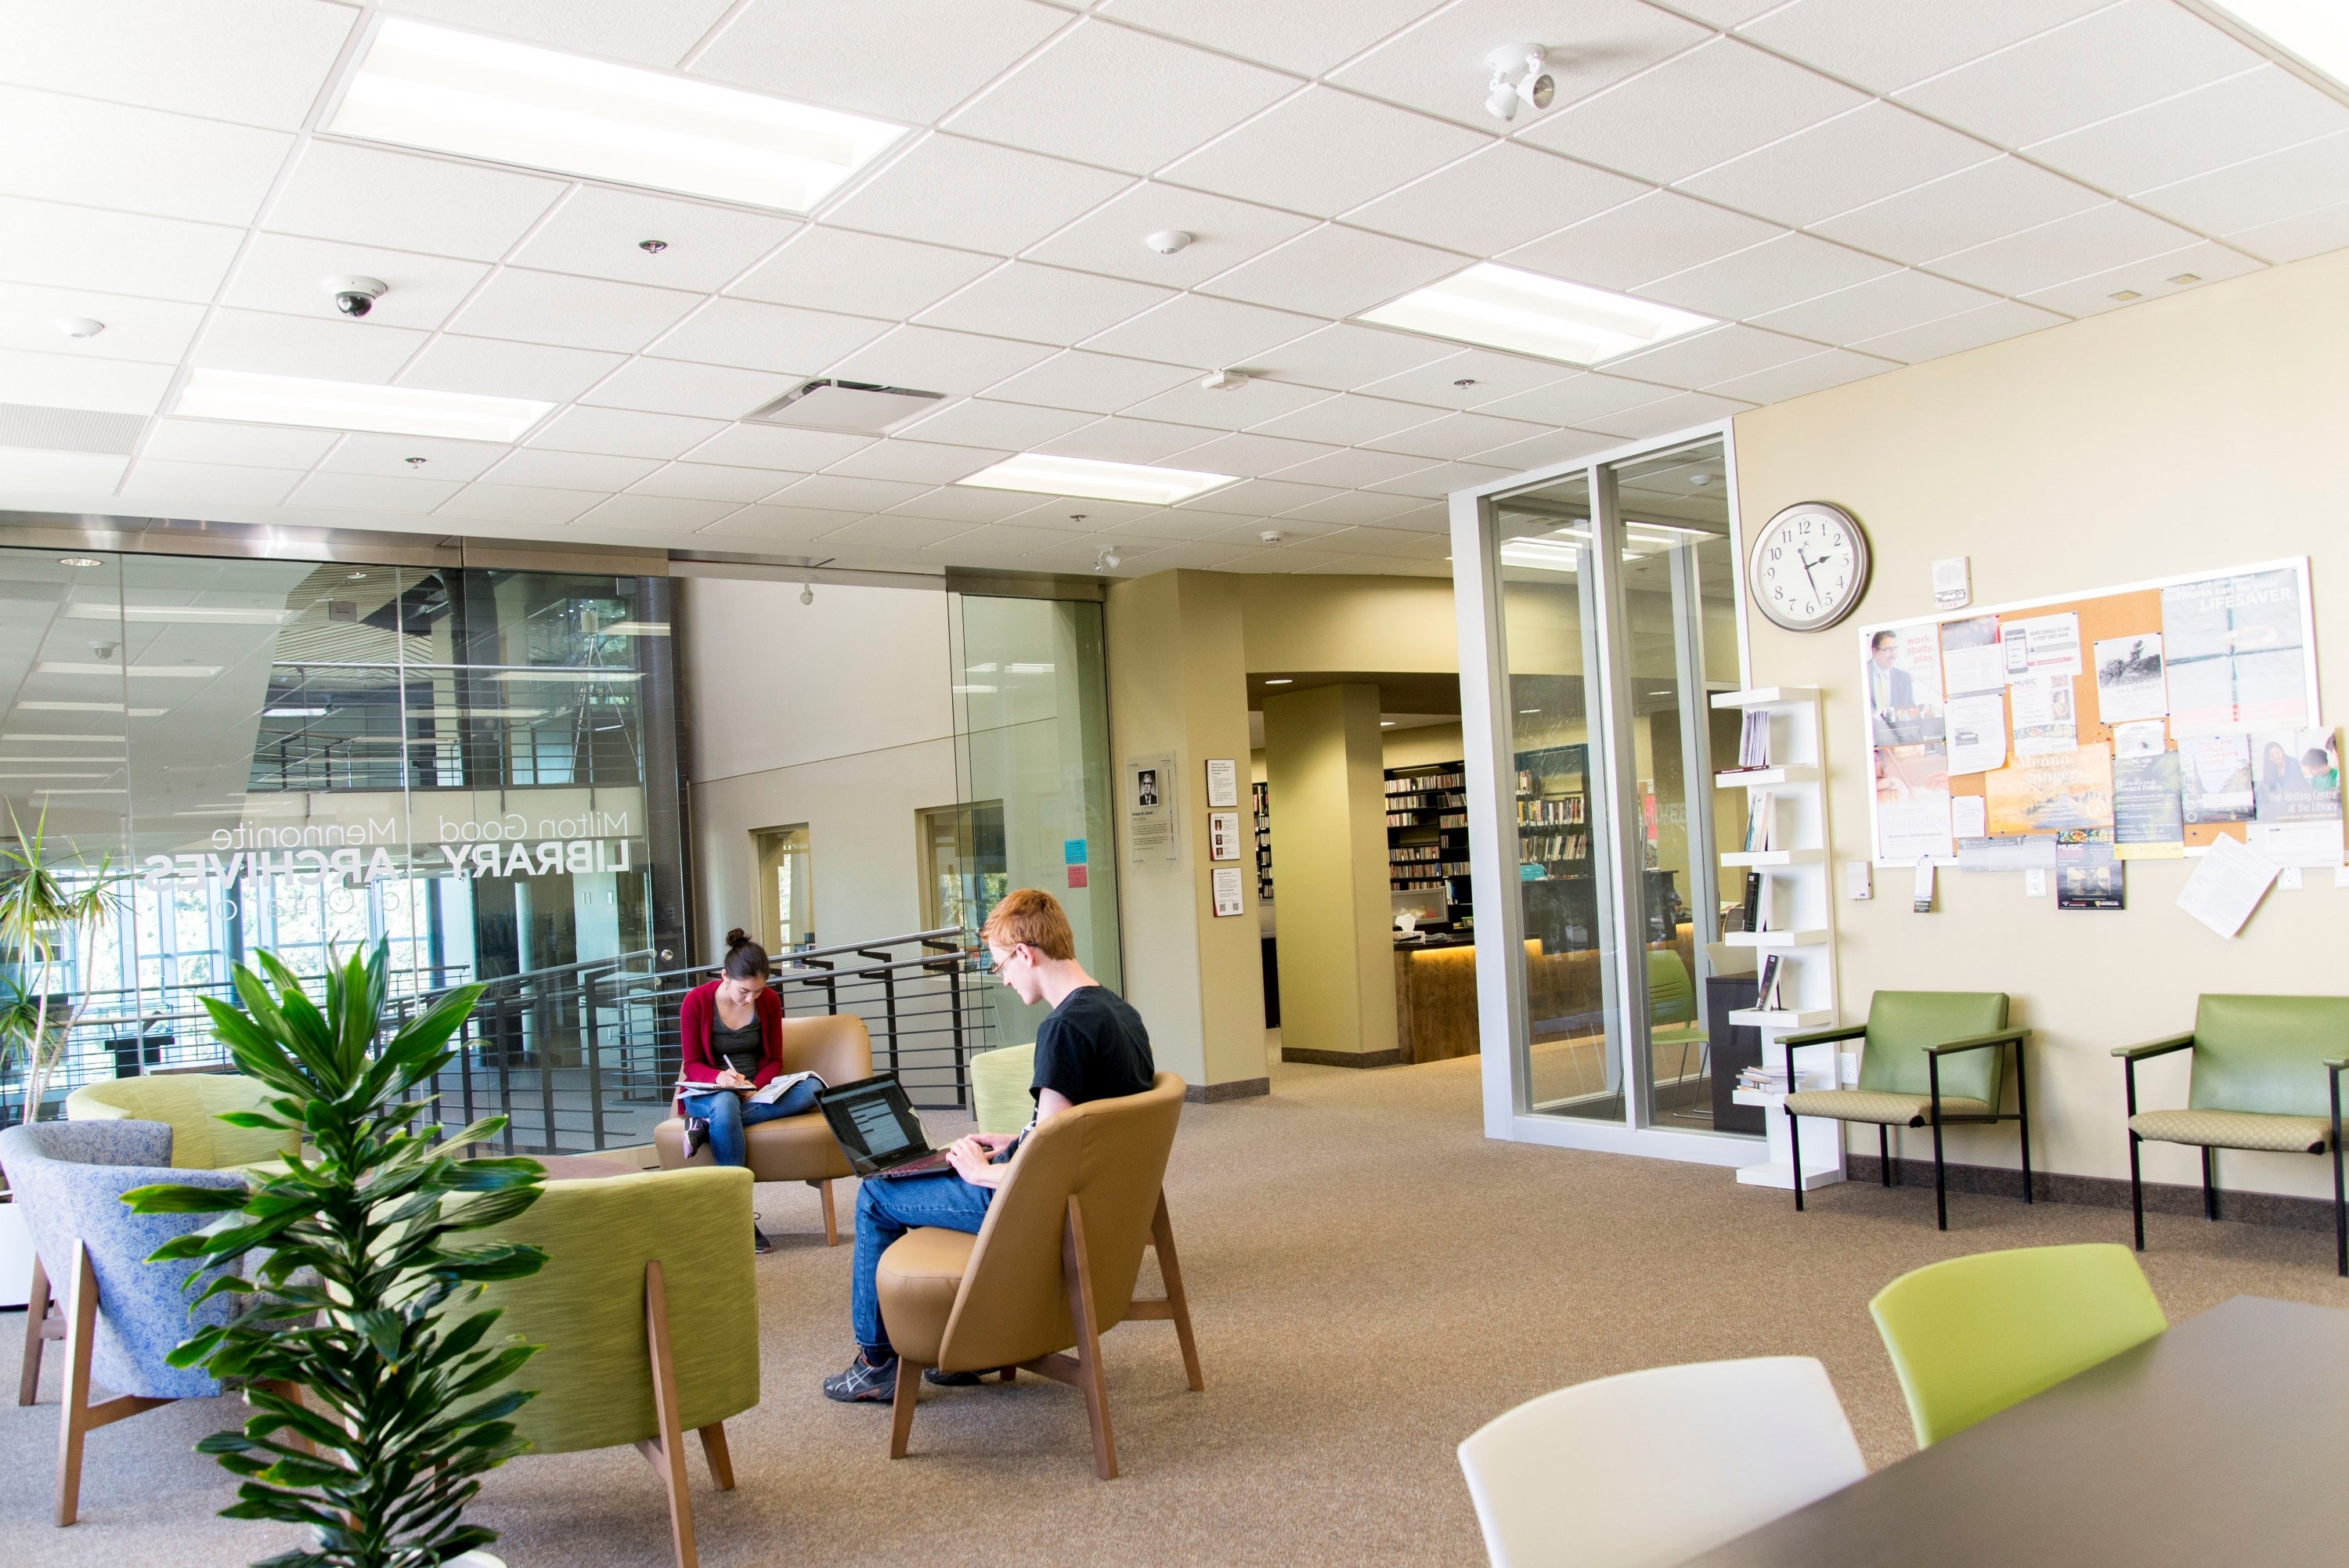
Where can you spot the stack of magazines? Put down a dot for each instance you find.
(1763, 1080)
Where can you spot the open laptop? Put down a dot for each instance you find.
(877, 1127)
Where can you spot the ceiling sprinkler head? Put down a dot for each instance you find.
(1518, 80)
(1224, 381)
(79, 327)
(1270, 536)
(1166, 242)
(414, 462)
(1700, 480)
(652, 247)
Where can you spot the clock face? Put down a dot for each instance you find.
(1809, 566)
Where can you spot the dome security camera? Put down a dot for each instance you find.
(355, 296)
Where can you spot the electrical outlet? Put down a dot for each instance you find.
(2034, 884)
(2288, 879)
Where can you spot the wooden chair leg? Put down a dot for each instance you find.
(831, 1220)
(1076, 1269)
(39, 1329)
(1178, 1304)
(901, 1414)
(721, 1458)
(79, 1418)
(667, 1453)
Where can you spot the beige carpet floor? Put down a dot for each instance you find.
(1372, 1281)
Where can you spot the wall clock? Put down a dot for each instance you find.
(1809, 566)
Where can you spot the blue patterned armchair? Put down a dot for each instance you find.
(121, 1316)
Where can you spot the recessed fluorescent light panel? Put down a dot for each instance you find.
(354, 405)
(451, 91)
(2314, 31)
(1096, 480)
(1525, 313)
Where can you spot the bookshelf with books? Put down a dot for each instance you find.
(1427, 836)
(1775, 882)
(1261, 800)
(1553, 836)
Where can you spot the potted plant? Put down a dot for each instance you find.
(41, 913)
(378, 1402)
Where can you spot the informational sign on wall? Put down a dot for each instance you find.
(1223, 835)
(1228, 891)
(1223, 782)
(1150, 791)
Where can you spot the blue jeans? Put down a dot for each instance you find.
(728, 1113)
(886, 1210)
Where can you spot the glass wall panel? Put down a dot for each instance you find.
(1550, 631)
(1031, 747)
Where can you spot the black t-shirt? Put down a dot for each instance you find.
(743, 1049)
(1093, 1046)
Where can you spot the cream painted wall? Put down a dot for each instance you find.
(1349, 623)
(1423, 743)
(2200, 431)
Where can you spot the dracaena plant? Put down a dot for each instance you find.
(46, 906)
(379, 1402)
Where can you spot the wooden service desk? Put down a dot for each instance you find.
(1435, 1000)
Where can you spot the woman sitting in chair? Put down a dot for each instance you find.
(731, 1032)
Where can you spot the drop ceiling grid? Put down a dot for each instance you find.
(1063, 274)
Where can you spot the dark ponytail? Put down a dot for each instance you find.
(745, 959)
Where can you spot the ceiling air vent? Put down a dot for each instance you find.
(857, 406)
(69, 429)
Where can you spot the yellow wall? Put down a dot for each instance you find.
(1349, 623)
(2200, 431)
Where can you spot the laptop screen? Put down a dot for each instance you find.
(873, 1118)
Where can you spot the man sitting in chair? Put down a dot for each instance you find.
(1093, 1046)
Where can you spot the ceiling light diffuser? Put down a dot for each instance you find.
(2315, 32)
(177, 672)
(450, 91)
(179, 615)
(354, 405)
(1097, 480)
(1525, 313)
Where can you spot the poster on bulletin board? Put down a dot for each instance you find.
(2132, 722)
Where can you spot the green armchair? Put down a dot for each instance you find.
(2254, 1085)
(1932, 1058)
(192, 1105)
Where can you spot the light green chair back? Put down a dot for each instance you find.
(1902, 1024)
(1974, 1334)
(2267, 1054)
(1671, 996)
(999, 1088)
(191, 1103)
(586, 1306)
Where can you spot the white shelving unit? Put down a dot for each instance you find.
(1799, 926)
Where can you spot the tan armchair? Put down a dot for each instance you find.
(1053, 1267)
(795, 1148)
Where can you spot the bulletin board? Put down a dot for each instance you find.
(2208, 680)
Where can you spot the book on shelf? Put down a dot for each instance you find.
(1760, 812)
(1763, 1080)
(1753, 901)
(1753, 741)
(1765, 987)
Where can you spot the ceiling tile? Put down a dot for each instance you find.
(2092, 241)
(1306, 39)
(1541, 451)
(2310, 234)
(66, 381)
(332, 349)
(1490, 376)
(1888, 303)
(1885, 45)
(372, 492)
(287, 274)
(1080, 515)
(1043, 305)
(243, 446)
(1115, 441)
(1322, 152)
(1438, 65)
(966, 504)
(1799, 378)
(1403, 544)
(1775, 273)
(900, 59)
(1256, 452)
(930, 359)
(1956, 334)
(654, 514)
(711, 481)
(1224, 233)
(1355, 466)
(388, 455)
(81, 247)
(516, 503)
(1726, 13)
(900, 533)
(77, 149)
(1348, 355)
(924, 462)
(60, 473)
(371, 197)
(1253, 404)
(571, 312)
(157, 331)
(778, 447)
(2240, 118)
(990, 197)
(1971, 207)
(1351, 507)
(500, 369)
(1008, 539)
(1258, 498)
(257, 62)
(758, 336)
(1718, 100)
(597, 232)
(1096, 383)
(1346, 419)
(1007, 426)
(1506, 195)
(1456, 436)
(1209, 334)
(1157, 527)
(843, 492)
(1657, 235)
(673, 386)
(2067, 78)
(1705, 357)
(1335, 271)
(862, 274)
(1669, 414)
(2263, 191)
(628, 433)
(777, 524)
(1292, 528)
(176, 484)
(569, 470)
(1076, 99)
(1578, 399)
(2208, 263)
(622, 30)
(1838, 164)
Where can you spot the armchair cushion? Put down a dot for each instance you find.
(918, 1279)
(1871, 1105)
(2236, 1129)
(192, 1103)
(790, 1148)
(2267, 1054)
(1903, 1024)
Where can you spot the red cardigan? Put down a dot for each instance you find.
(700, 1011)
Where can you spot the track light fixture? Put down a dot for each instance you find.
(1518, 80)
(1107, 559)
(807, 593)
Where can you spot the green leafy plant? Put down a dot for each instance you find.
(379, 1407)
(44, 908)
